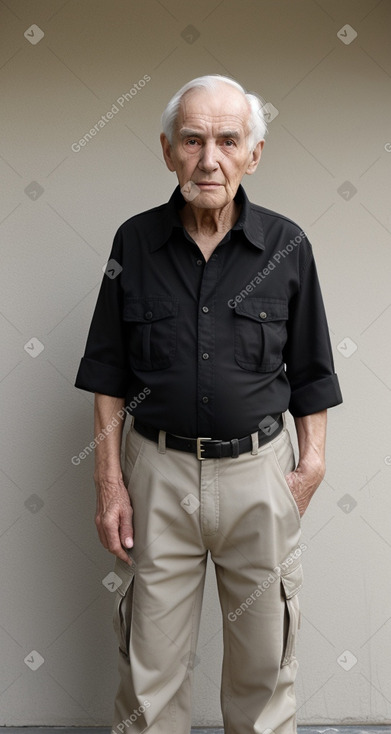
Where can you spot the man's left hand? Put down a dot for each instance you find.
(304, 481)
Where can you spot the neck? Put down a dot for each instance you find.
(209, 222)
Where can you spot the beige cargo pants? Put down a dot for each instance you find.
(241, 511)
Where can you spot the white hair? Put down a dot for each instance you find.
(257, 122)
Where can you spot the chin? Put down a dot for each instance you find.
(210, 200)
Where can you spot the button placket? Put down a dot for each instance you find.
(206, 344)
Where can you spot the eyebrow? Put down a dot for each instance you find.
(188, 133)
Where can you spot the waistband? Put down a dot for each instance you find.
(208, 448)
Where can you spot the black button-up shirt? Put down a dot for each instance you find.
(210, 348)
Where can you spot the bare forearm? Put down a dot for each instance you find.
(310, 470)
(107, 421)
(311, 437)
(113, 516)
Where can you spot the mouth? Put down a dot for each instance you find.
(208, 185)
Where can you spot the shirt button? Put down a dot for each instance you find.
(148, 315)
(205, 309)
(199, 262)
(205, 399)
(205, 355)
(263, 314)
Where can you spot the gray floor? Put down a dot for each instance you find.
(321, 729)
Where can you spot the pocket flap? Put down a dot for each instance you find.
(263, 309)
(147, 310)
(292, 581)
(125, 573)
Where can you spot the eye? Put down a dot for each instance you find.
(192, 142)
(229, 143)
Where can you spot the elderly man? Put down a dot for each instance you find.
(209, 326)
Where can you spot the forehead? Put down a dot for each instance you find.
(222, 106)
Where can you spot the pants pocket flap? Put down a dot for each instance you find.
(125, 573)
(292, 581)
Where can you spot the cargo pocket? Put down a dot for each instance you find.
(260, 333)
(291, 584)
(123, 603)
(150, 325)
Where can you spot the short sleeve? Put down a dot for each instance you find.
(103, 367)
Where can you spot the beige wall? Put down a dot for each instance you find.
(333, 127)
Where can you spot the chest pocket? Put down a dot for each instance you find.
(151, 326)
(260, 333)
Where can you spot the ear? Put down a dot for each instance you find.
(167, 152)
(255, 158)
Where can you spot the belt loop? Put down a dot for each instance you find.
(161, 444)
(234, 448)
(255, 443)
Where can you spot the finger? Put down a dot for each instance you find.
(114, 543)
(120, 553)
(293, 482)
(101, 532)
(126, 529)
(291, 479)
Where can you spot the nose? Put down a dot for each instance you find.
(209, 157)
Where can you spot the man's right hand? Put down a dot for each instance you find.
(113, 517)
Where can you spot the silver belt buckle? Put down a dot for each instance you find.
(200, 448)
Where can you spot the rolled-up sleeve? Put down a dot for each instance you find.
(308, 355)
(103, 367)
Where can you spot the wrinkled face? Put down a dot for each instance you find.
(210, 152)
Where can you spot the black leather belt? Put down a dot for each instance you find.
(208, 448)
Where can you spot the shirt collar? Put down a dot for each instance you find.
(249, 222)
